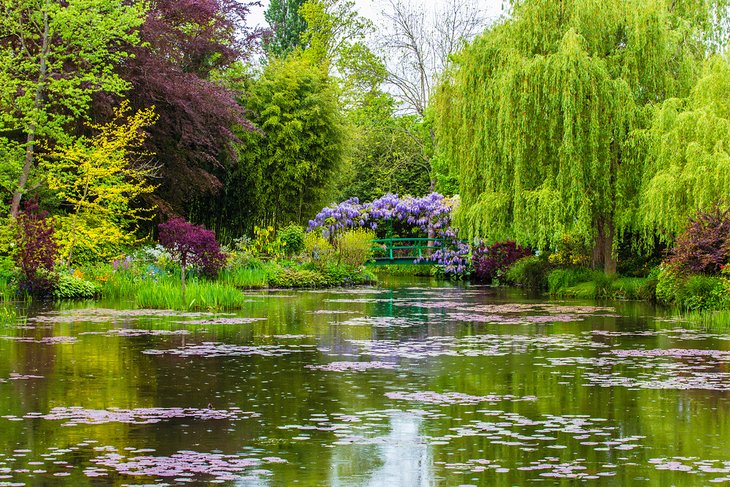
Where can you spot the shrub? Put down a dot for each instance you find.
(571, 252)
(703, 293)
(265, 243)
(603, 285)
(355, 247)
(492, 261)
(36, 251)
(192, 245)
(692, 293)
(75, 287)
(318, 251)
(529, 272)
(704, 246)
(292, 238)
(290, 277)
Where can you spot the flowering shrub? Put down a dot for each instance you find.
(429, 216)
(704, 246)
(192, 245)
(36, 251)
(492, 261)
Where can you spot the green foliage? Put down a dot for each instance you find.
(54, 56)
(292, 237)
(245, 277)
(561, 279)
(71, 286)
(287, 25)
(355, 247)
(288, 277)
(687, 151)
(692, 293)
(301, 142)
(529, 272)
(318, 251)
(570, 252)
(536, 116)
(265, 242)
(202, 295)
(405, 270)
(388, 151)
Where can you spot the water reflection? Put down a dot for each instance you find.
(437, 404)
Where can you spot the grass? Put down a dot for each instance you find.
(718, 320)
(200, 295)
(585, 284)
(245, 277)
(403, 270)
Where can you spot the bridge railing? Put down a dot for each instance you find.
(404, 248)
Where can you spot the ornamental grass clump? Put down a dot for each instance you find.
(192, 245)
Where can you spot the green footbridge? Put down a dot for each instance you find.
(403, 250)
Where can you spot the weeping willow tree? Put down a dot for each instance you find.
(536, 115)
(687, 161)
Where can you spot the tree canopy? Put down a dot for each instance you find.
(686, 150)
(537, 114)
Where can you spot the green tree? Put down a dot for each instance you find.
(386, 151)
(287, 26)
(687, 161)
(538, 112)
(301, 142)
(54, 55)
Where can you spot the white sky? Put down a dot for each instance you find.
(371, 8)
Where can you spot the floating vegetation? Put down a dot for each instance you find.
(222, 321)
(352, 366)
(49, 340)
(475, 345)
(334, 312)
(73, 416)
(448, 398)
(105, 315)
(694, 465)
(184, 466)
(135, 332)
(216, 349)
(381, 322)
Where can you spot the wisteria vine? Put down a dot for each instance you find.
(430, 215)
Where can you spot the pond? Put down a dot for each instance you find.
(412, 383)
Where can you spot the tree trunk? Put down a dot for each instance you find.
(603, 249)
(37, 102)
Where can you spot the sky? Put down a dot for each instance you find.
(371, 8)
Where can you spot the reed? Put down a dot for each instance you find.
(199, 295)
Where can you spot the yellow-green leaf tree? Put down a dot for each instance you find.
(98, 180)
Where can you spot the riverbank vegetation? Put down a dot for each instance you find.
(577, 148)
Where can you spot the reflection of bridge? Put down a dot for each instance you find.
(404, 250)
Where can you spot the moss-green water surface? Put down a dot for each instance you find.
(413, 383)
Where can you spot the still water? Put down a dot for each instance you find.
(412, 383)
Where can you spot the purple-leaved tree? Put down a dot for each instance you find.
(191, 245)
